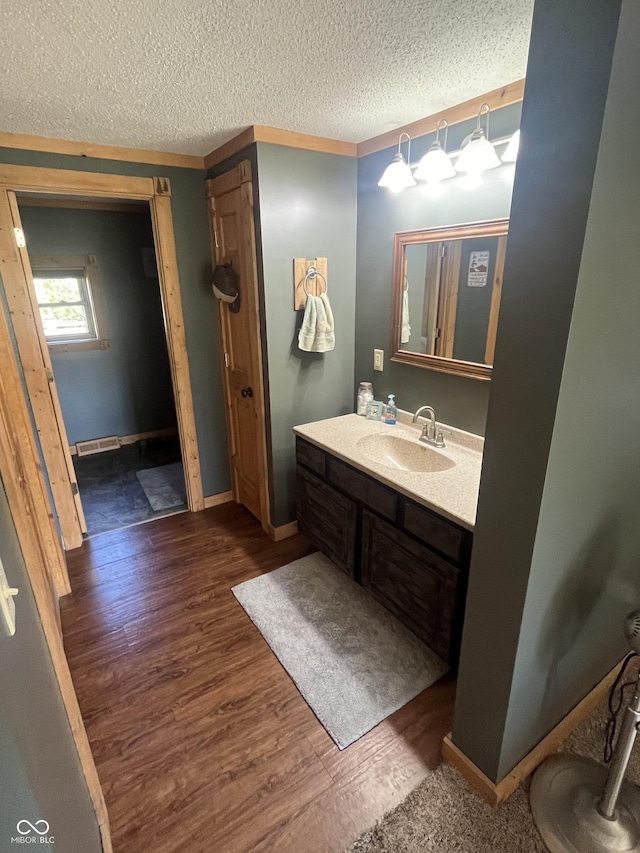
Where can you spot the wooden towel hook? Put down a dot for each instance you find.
(315, 286)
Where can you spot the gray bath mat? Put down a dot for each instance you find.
(163, 486)
(352, 661)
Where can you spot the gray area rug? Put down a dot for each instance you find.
(445, 814)
(163, 486)
(353, 662)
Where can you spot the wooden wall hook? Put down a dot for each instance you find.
(314, 286)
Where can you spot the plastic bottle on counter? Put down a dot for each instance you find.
(365, 396)
(390, 410)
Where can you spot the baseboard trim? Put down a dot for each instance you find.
(137, 436)
(216, 500)
(496, 793)
(282, 532)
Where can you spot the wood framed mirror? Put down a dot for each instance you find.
(447, 284)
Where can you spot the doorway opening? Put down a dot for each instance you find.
(96, 290)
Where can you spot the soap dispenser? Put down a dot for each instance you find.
(391, 410)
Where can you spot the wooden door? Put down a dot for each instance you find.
(231, 209)
(496, 296)
(430, 329)
(448, 297)
(40, 380)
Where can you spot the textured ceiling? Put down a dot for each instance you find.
(186, 75)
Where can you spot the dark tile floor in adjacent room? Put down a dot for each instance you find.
(112, 497)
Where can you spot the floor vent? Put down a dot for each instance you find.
(97, 445)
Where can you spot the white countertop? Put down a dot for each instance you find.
(452, 493)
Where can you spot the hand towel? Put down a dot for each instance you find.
(317, 331)
(406, 328)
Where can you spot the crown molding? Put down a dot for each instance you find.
(277, 136)
(102, 152)
(502, 97)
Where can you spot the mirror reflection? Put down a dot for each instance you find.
(447, 287)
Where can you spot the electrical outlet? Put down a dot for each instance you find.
(378, 359)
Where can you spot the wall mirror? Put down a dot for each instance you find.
(447, 284)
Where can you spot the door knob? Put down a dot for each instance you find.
(247, 392)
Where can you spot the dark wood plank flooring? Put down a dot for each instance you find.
(201, 740)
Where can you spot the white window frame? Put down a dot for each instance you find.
(84, 266)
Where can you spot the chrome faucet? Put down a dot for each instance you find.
(430, 432)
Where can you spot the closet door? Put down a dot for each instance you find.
(233, 240)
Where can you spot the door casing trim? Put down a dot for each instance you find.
(157, 193)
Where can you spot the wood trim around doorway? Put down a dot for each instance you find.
(24, 485)
(157, 193)
(176, 342)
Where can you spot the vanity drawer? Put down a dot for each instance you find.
(311, 456)
(328, 519)
(374, 495)
(434, 531)
(416, 585)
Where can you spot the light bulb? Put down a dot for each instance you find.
(397, 176)
(478, 155)
(435, 166)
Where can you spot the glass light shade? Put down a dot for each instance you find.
(397, 176)
(511, 151)
(478, 155)
(435, 166)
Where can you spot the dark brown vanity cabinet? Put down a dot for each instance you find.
(328, 519)
(412, 560)
(411, 581)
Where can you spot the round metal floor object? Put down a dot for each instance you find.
(564, 795)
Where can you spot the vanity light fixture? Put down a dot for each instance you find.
(397, 176)
(511, 151)
(435, 166)
(478, 154)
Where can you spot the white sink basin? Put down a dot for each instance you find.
(402, 454)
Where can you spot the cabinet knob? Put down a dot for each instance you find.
(247, 392)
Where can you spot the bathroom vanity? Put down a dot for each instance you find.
(395, 514)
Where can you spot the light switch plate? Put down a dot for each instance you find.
(378, 359)
(7, 606)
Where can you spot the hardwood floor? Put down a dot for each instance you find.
(201, 740)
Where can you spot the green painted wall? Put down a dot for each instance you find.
(198, 303)
(457, 401)
(585, 572)
(125, 389)
(307, 209)
(40, 773)
(554, 547)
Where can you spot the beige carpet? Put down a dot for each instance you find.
(443, 814)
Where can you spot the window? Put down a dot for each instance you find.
(67, 292)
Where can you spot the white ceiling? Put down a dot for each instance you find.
(186, 75)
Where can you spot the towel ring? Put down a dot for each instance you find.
(312, 273)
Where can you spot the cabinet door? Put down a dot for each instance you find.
(328, 519)
(412, 582)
